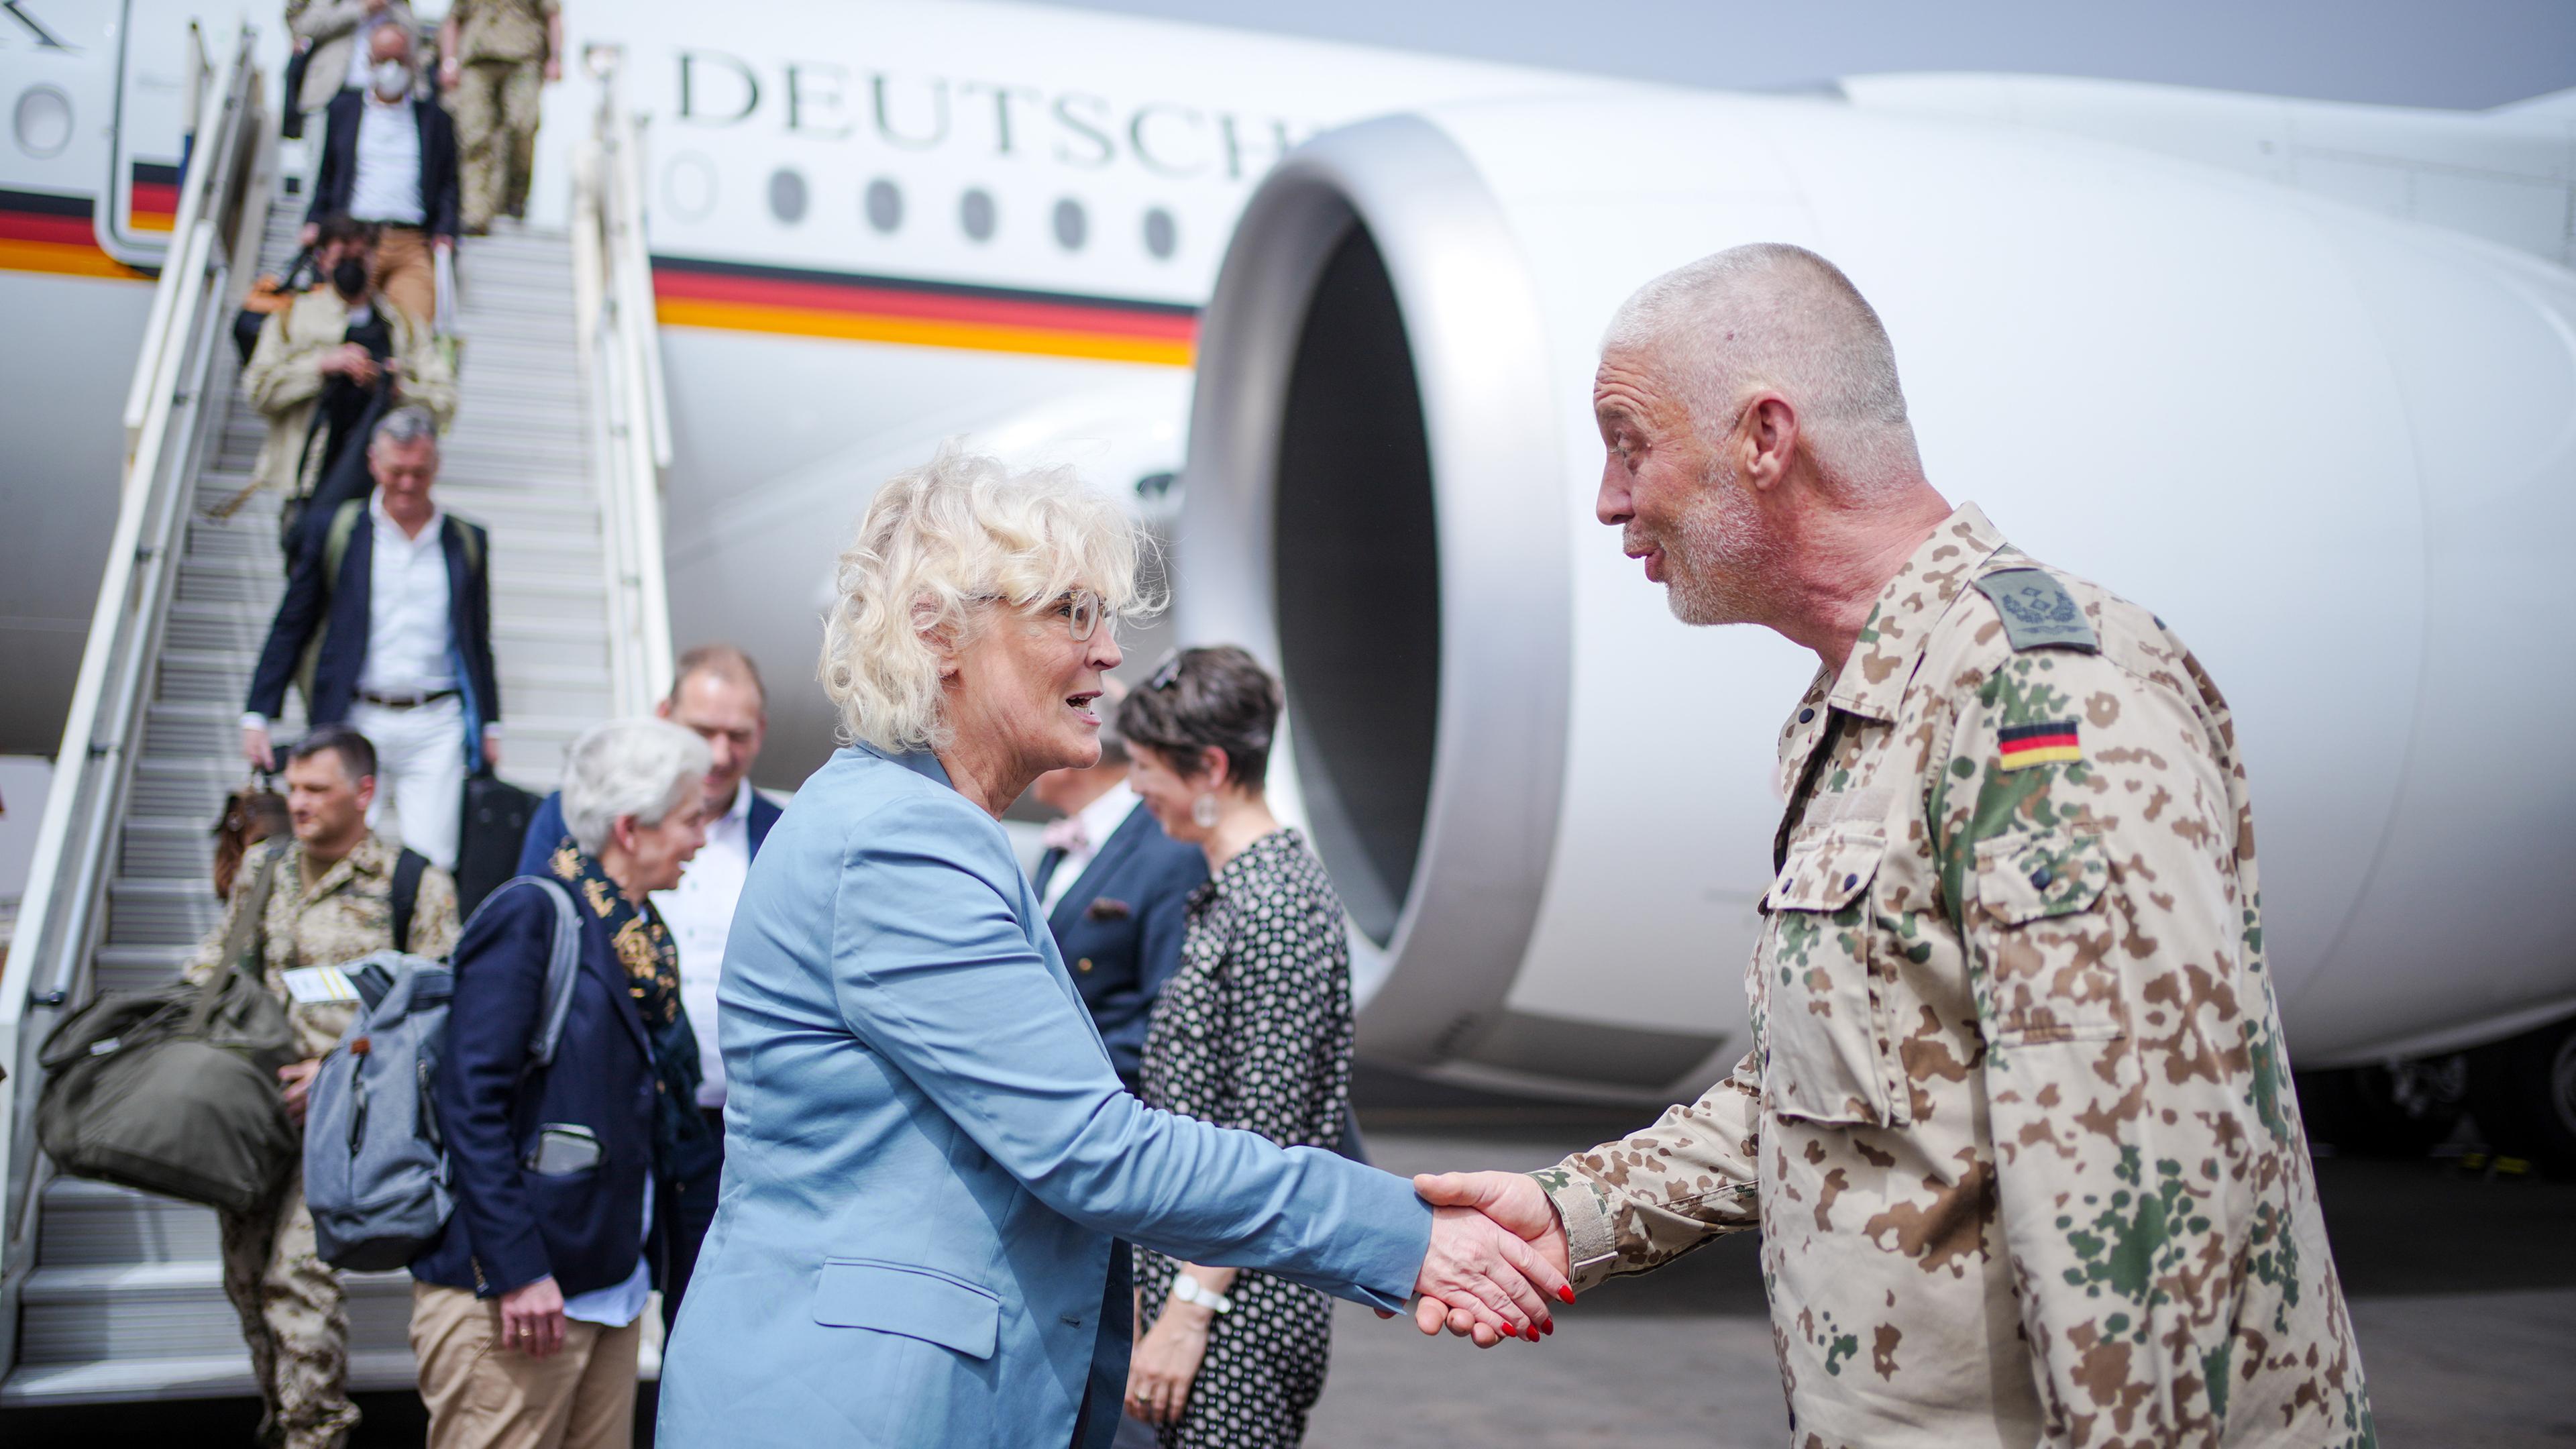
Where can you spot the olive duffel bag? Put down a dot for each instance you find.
(174, 1090)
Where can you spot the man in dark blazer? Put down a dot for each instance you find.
(388, 617)
(1116, 891)
(390, 158)
(716, 692)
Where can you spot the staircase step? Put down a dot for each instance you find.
(98, 1224)
(174, 1310)
(209, 1376)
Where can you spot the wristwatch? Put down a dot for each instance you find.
(1187, 1289)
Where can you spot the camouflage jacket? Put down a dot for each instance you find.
(342, 916)
(2016, 1125)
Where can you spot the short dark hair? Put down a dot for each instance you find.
(1218, 696)
(339, 227)
(725, 662)
(356, 755)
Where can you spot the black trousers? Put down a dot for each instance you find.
(692, 1211)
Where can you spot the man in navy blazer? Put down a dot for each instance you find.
(399, 594)
(1116, 891)
(716, 691)
(390, 159)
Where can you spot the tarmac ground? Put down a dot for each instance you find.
(2463, 1289)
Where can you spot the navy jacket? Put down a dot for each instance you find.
(338, 176)
(340, 612)
(546, 831)
(511, 1226)
(1119, 930)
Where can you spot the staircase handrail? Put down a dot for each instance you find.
(622, 352)
(58, 928)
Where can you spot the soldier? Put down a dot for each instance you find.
(2016, 1123)
(492, 54)
(334, 892)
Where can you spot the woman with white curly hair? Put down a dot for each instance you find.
(928, 1154)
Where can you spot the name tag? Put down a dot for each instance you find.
(320, 986)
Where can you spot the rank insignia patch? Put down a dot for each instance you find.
(2052, 743)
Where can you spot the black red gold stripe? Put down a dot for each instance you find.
(42, 232)
(744, 298)
(2051, 743)
(152, 203)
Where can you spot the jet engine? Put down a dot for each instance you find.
(2337, 452)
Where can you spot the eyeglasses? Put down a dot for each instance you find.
(1081, 610)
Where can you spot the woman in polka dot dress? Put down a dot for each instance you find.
(1253, 1031)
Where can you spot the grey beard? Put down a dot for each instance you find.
(1719, 557)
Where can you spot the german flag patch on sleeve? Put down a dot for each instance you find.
(2052, 743)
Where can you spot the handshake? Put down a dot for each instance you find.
(1498, 1254)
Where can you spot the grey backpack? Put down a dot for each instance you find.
(375, 1164)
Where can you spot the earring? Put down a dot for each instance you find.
(1203, 812)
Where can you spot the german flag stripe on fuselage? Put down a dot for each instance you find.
(2051, 743)
(153, 200)
(739, 297)
(41, 232)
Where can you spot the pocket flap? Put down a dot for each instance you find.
(2028, 877)
(1827, 871)
(915, 1302)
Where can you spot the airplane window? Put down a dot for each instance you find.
(43, 121)
(1071, 226)
(885, 205)
(1162, 234)
(975, 213)
(787, 195)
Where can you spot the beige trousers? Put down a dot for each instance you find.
(403, 271)
(483, 1396)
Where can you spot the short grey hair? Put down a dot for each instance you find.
(407, 424)
(639, 767)
(1778, 316)
(938, 547)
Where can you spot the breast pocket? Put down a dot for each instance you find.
(2042, 939)
(1820, 1028)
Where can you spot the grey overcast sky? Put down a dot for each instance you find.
(2464, 54)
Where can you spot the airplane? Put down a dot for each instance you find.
(1115, 242)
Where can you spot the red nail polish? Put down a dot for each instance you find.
(1565, 1293)
(1548, 1328)
(1531, 1334)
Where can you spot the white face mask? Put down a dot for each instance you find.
(392, 80)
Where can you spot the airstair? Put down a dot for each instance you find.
(111, 1294)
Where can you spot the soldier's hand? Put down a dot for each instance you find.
(449, 72)
(554, 69)
(1515, 1201)
(532, 1318)
(298, 1081)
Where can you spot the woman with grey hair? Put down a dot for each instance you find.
(929, 1156)
(527, 1313)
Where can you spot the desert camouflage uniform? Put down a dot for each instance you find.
(287, 1297)
(501, 55)
(2017, 1124)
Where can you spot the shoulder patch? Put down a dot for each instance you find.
(2037, 610)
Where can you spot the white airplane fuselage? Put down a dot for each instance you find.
(873, 226)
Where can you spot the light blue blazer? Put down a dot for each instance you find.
(927, 1153)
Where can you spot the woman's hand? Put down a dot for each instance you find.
(1166, 1360)
(532, 1317)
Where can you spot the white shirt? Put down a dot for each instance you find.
(1100, 820)
(699, 913)
(407, 623)
(387, 186)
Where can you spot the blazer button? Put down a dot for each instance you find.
(1072, 1320)
(1082, 965)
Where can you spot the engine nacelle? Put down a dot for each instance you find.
(2337, 452)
